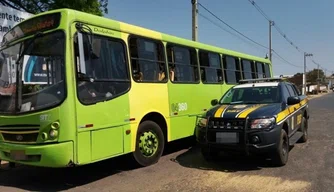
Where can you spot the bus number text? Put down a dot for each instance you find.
(179, 107)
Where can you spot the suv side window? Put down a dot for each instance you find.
(292, 91)
(296, 89)
(285, 92)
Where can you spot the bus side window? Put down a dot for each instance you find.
(211, 70)
(182, 62)
(107, 73)
(248, 70)
(231, 70)
(266, 70)
(147, 60)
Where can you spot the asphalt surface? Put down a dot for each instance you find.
(310, 168)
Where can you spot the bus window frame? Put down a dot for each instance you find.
(257, 70)
(192, 65)
(239, 63)
(209, 67)
(20, 40)
(75, 35)
(157, 61)
(269, 68)
(253, 67)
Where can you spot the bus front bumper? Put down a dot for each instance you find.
(44, 155)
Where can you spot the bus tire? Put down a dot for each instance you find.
(150, 143)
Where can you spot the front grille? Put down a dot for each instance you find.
(20, 134)
(216, 125)
(226, 124)
(17, 137)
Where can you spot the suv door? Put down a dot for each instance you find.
(296, 118)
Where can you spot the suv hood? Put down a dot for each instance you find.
(244, 110)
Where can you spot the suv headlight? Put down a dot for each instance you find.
(202, 122)
(262, 123)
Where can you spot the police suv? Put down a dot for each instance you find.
(260, 116)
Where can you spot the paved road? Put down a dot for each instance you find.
(310, 168)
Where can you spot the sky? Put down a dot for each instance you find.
(307, 23)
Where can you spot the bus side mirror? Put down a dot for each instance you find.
(214, 102)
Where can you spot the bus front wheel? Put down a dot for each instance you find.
(149, 143)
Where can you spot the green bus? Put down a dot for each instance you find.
(103, 88)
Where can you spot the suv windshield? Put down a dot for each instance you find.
(32, 74)
(251, 95)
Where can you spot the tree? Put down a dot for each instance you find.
(312, 76)
(297, 79)
(96, 7)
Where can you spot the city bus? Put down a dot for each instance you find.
(76, 88)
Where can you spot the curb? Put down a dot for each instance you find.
(317, 96)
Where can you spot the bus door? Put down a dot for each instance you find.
(102, 104)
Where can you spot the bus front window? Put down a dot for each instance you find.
(32, 74)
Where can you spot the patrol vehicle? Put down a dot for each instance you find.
(257, 116)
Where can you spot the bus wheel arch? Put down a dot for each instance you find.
(159, 119)
(150, 139)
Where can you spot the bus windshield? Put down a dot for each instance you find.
(32, 73)
(251, 95)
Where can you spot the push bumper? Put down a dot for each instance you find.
(46, 155)
(267, 140)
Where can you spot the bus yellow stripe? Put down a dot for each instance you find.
(220, 111)
(249, 110)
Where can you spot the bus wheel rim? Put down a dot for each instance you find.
(148, 143)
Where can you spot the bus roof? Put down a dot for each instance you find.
(141, 31)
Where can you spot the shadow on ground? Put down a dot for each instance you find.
(48, 179)
(225, 162)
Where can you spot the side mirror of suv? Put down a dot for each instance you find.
(214, 102)
(293, 100)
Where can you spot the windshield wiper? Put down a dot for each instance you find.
(234, 102)
(32, 40)
(18, 99)
(240, 102)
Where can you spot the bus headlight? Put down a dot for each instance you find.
(55, 125)
(44, 136)
(53, 134)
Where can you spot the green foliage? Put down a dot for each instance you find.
(96, 7)
(26, 89)
(312, 76)
(297, 79)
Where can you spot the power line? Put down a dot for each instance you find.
(274, 24)
(278, 29)
(216, 24)
(259, 9)
(231, 26)
(279, 56)
(320, 66)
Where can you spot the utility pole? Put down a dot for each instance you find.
(194, 20)
(304, 74)
(318, 80)
(271, 23)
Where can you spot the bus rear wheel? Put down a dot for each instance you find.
(149, 143)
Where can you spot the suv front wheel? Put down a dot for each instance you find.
(281, 154)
